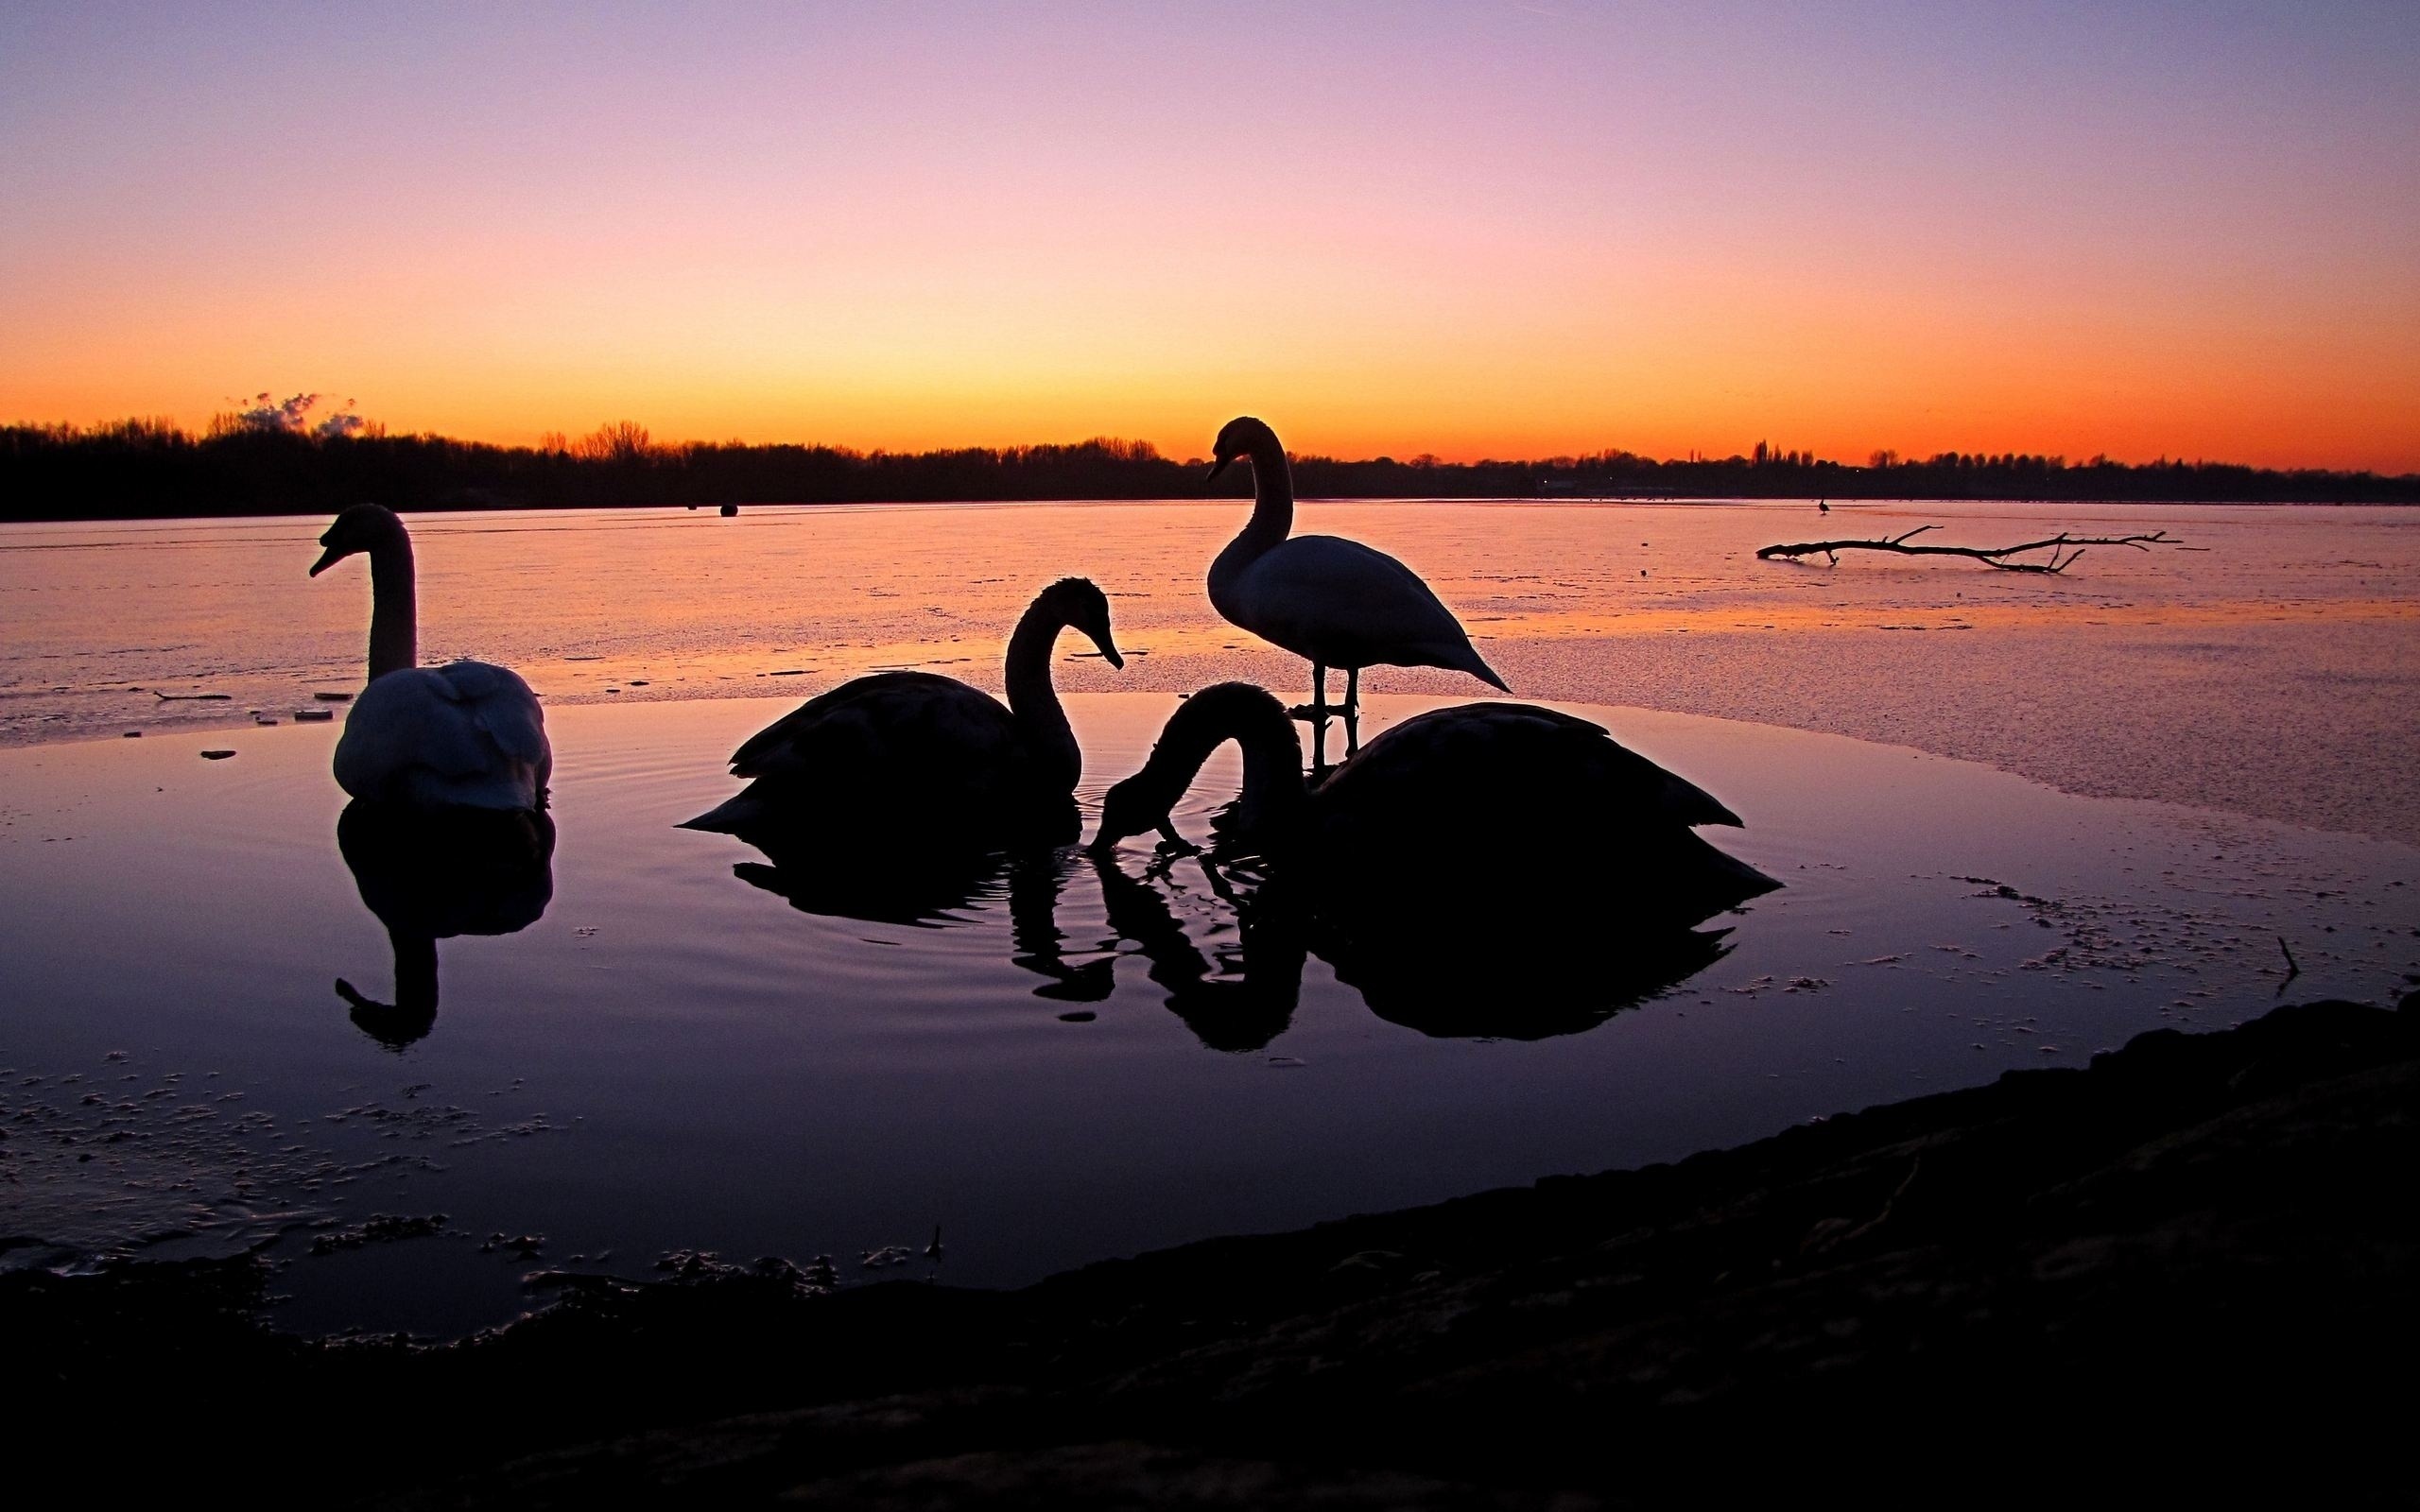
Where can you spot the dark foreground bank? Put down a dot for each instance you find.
(2188, 1271)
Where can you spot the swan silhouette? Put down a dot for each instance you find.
(468, 734)
(912, 755)
(1333, 602)
(431, 877)
(1492, 815)
(1238, 997)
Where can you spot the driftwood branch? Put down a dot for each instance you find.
(1993, 557)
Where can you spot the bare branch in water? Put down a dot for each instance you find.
(1990, 557)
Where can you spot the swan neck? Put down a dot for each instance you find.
(1274, 790)
(415, 970)
(1272, 491)
(394, 612)
(1033, 699)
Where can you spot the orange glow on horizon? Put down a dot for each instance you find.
(1473, 232)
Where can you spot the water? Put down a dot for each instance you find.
(2266, 667)
(1060, 1064)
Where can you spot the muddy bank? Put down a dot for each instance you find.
(2188, 1270)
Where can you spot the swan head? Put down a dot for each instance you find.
(1238, 437)
(1079, 605)
(1142, 801)
(363, 527)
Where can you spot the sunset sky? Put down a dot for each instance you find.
(1506, 229)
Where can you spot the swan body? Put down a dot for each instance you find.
(1333, 602)
(913, 753)
(468, 734)
(1481, 809)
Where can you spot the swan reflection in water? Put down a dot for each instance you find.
(1239, 997)
(1497, 974)
(1227, 945)
(433, 874)
(935, 888)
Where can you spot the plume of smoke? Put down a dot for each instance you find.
(292, 416)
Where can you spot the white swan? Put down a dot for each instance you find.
(900, 755)
(1502, 811)
(467, 735)
(1335, 602)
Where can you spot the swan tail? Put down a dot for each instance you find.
(740, 812)
(1466, 659)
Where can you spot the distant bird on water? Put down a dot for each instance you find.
(1333, 602)
(1822, 507)
(468, 734)
(915, 756)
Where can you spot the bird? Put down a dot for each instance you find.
(1823, 506)
(918, 757)
(468, 734)
(1503, 811)
(1333, 602)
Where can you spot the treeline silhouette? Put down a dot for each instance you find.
(242, 465)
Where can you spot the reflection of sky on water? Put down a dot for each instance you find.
(2264, 667)
(670, 1057)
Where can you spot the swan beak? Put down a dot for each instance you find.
(1109, 653)
(1217, 467)
(327, 559)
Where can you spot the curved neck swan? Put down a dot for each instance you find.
(1272, 511)
(394, 608)
(1070, 604)
(368, 529)
(1274, 793)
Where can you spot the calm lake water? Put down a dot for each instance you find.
(1060, 1061)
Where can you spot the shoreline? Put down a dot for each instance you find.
(1778, 501)
(2198, 1230)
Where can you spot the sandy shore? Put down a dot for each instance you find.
(2189, 1269)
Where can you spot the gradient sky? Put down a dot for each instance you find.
(1473, 229)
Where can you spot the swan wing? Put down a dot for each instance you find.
(890, 755)
(1344, 603)
(915, 717)
(1507, 763)
(468, 733)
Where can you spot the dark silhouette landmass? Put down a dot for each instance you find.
(151, 469)
(2189, 1274)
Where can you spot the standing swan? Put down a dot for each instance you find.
(1504, 813)
(1335, 602)
(896, 755)
(467, 735)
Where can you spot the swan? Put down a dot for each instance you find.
(1335, 602)
(1490, 812)
(900, 753)
(468, 734)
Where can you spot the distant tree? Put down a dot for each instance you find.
(621, 440)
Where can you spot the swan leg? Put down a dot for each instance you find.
(1315, 714)
(1351, 712)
